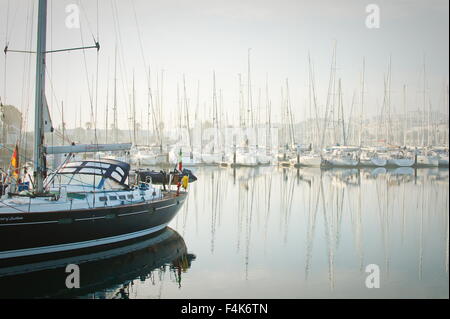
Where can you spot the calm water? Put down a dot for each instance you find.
(282, 233)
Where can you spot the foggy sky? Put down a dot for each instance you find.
(198, 36)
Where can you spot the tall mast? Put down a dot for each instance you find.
(424, 104)
(62, 123)
(115, 98)
(361, 119)
(341, 111)
(39, 159)
(405, 127)
(148, 109)
(268, 138)
(330, 87)
(389, 131)
(134, 114)
(187, 114)
(289, 114)
(249, 92)
(106, 107)
(446, 116)
(215, 111)
(241, 102)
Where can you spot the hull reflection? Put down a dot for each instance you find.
(105, 274)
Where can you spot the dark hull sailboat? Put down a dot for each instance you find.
(86, 217)
(84, 205)
(34, 236)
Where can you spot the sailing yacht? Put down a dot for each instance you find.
(83, 205)
(442, 153)
(401, 158)
(311, 159)
(427, 158)
(341, 156)
(370, 158)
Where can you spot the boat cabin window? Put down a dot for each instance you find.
(102, 198)
(130, 196)
(112, 197)
(87, 180)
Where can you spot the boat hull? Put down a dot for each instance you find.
(311, 161)
(400, 162)
(35, 236)
(373, 162)
(427, 161)
(443, 161)
(338, 162)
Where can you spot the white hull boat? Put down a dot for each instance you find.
(427, 161)
(373, 162)
(443, 161)
(311, 160)
(400, 162)
(341, 162)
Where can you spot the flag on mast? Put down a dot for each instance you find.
(15, 162)
(180, 162)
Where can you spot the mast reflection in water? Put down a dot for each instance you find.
(274, 232)
(107, 274)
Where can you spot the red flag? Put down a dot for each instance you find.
(180, 162)
(15, 162)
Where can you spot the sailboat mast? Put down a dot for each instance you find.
(62, 123)
(249, 92)
(424, 103)
(115, 98)
(106, 107)
(134, 114)
(187, 115)
(405, 126)
(39, 159)
(361, 119)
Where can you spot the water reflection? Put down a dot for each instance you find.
(107, 274)
(320, 228)
(275, 232)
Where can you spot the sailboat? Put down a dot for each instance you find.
(370, 157)
(83, 205)
(188, 157)
(213, 155)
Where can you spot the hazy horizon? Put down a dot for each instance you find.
(194, 38)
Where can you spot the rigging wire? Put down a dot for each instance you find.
(122, 67)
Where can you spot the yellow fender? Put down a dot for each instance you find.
(185, 182)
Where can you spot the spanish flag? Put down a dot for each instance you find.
(15, 162)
